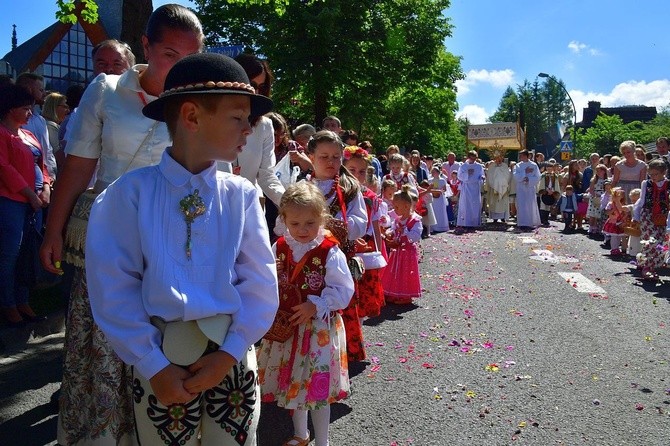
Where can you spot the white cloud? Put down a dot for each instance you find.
(576, 47)
(474, 113)
(496, 78)
(579, 47)
(652, 94)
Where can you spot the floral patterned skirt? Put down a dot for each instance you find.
(652, 241)
(309, 370)
(95, 406)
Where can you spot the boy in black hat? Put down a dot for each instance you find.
(181, 267)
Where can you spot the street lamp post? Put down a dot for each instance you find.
(574, 109)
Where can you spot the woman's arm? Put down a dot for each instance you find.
(615, 176)
(72, 181)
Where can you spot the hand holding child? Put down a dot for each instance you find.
(209, 371)
(303, 313)
(168, 385)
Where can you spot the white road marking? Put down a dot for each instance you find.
(581, 283)
(544, 255)
(527, 240)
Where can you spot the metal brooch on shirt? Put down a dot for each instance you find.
(191, 206)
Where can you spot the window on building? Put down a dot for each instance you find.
(70, 61)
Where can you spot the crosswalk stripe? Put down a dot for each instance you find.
(581, 283)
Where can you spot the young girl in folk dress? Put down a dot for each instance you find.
(401, 280)
(345, 203)
(370, 292)
(651, 210)
(308, 371)
(441, 193)
(614, 224)
(596, 190)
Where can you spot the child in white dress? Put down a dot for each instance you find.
(308, 372)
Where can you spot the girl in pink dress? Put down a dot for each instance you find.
(617, 216)
(401, 281)
(308, 371)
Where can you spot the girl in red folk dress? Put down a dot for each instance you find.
(308, 372)
(401, 279)
(345, 203)
(370, 292)
(617, 216)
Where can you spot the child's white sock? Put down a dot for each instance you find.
(321, 421)
(300, 423)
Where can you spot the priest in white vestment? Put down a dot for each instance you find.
(498, 178)
(471, 176)
(526, 177)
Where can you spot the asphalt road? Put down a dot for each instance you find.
(520, 338)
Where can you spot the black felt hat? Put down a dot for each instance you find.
(207, 73)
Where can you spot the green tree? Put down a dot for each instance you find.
(604, 136)
(537, 105)
(508, 108)
(378, 65)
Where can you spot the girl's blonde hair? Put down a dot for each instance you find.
(303, 195)
(406, 194)
(635, 193)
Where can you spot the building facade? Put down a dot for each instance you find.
(62, 52)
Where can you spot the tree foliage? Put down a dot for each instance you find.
(608, 132)
(538, 106)
(379, 65)
(66, 11)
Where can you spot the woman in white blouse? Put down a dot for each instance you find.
(111, 128)
(257, 160)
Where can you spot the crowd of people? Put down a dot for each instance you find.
(192, 222)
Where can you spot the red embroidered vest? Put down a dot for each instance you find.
(298, 279)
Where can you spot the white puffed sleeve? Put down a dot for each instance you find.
(85, 130)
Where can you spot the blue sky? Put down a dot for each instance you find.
(613, 51)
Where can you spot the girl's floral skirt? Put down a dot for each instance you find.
(309, 370)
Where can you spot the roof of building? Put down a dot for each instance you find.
(19, 57)
(109, 24)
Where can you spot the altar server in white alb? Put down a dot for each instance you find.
(526, 177)
(471, 176)
(182, 277)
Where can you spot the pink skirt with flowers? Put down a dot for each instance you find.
(309, 370)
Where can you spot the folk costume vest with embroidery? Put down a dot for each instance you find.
(399, 231)
(656, 198)
(310, 279)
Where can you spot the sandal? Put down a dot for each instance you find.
(297, 441)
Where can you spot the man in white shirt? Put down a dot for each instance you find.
(451, 165)
(34, 83)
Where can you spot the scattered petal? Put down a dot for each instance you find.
(493, 367)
